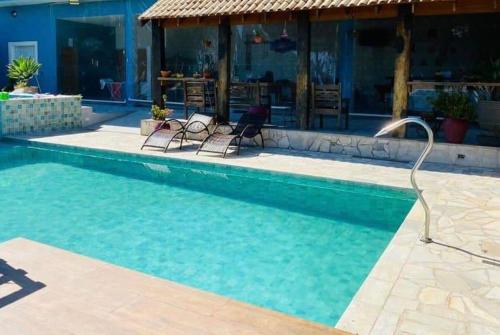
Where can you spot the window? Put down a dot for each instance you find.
(189, 51)
(91, 57)
(142, 78)
(20, 49)
(267, 53)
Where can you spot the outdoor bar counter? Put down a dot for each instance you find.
(39, 114)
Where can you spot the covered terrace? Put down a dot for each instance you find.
(374, 59)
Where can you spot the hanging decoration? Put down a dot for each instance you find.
(283, 43)
(258, 36)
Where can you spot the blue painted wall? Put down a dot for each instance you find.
(38, 23)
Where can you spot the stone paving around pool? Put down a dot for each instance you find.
(49, 291)
(451, 286)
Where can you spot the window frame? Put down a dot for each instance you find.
(12, 47)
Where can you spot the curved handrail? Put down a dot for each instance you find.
(417, 165)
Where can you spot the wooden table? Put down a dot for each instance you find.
(165, 80)
(267, 88)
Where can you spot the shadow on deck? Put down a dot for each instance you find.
(17, 278)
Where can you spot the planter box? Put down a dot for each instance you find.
(148, 125)
(488, 116)
(38, 116)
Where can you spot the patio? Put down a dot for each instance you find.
(85, 296)
(450, 286)
(379, 63)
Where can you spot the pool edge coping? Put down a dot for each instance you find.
(407, 233)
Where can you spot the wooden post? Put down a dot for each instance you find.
(402, 67)
(303, 69)
(158, 61)
(224, 69)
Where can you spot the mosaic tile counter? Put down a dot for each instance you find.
(40, 115)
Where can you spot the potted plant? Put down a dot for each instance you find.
(258, 36)
(158, 116)
(458, 111)
(207, 74)
(21, 70)
(165, 73)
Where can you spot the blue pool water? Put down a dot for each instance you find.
(294, 244)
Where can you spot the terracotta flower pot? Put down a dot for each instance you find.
(258, 39)
(165, 74)
(207, 74)
(455, 130)
(26, 89)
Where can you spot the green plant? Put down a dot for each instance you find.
(491, 74)
(258, 32)
(160, 114)
(22, 69)
(454, 105)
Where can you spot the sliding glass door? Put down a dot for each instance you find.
(91, 53)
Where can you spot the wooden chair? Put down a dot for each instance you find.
(245, 95)
(199, 95)
(327, 100)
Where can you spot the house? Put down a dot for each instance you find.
(94, 48)
(386, 58)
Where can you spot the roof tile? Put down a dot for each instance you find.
(201, 8)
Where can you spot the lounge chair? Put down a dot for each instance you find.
(249, 126)
(172, 129)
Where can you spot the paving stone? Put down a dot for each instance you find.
(433, 296)
(452, 284)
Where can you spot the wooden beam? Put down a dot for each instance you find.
(262, 18)
(224, 69)
(158, 61)
(190, 22)
(402, 66)
(303, 69)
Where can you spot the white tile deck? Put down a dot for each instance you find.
(58, 292)
(415, 288)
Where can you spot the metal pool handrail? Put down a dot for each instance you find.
(417, 165)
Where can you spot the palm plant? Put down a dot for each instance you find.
(22, 69)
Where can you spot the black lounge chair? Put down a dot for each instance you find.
(172, 129)
(249, 126)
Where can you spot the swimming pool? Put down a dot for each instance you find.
(295, 244)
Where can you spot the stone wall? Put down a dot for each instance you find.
(368, 147)
(382, 148)
(32, 116)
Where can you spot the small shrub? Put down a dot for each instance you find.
(22, 69)
(454, 105)
(160, 114)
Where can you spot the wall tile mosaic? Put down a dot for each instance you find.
(40, 115)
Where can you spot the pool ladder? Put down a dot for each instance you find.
(430, 142)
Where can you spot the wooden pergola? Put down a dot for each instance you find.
(166, 14)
